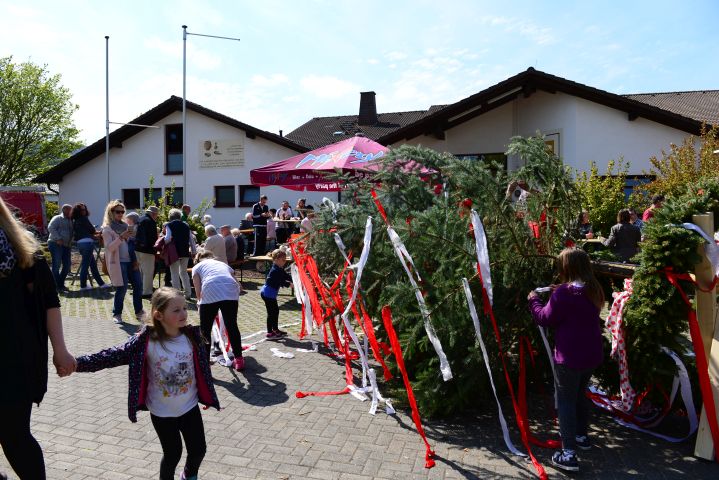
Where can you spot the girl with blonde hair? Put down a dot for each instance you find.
(121, 269)
(31, 315)
(169, 375)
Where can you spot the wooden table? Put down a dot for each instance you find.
(247, 230)
(263, 262)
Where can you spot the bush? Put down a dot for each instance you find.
(603, 195)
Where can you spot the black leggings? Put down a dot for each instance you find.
(208, 311)
(273, 313)
(20, 447)
(168, 430)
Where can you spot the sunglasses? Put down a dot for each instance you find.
(118, 211)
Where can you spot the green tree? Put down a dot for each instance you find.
(686, 164)
(36, 127)
(603, 195)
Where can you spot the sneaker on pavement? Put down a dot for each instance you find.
(583, 442)
(117, 319)
(280, 333)
(106, 285)
(140, 316)
(239, 363)
(566, 460)
(271, 335)
(87, 287)
(184, 477)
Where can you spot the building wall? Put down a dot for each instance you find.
(586, 130)
(143, 155)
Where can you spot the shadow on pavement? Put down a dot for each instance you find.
(259, 391)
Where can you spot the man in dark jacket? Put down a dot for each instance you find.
(145, 239)
(260, 214)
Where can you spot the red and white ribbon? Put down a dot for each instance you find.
(405, 258)
(477, 330)
(613, 323)
(680, 384)
(302, 298)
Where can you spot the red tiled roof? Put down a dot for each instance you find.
(701, 105)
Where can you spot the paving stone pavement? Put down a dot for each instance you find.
(264, 432)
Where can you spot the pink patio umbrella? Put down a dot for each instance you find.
(308, 171)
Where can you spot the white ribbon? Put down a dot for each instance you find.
(341, 246)
(278, 353)
(405, 257)
(475, 320)
(548, 349)
(710, 248)
(480, 245)
(302, 298)
(218, 334)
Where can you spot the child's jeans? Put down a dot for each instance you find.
(193, 431)
(573, 405)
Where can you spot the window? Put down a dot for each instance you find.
(174, 197)
(173, 149)
(488, 158)
(131, 198)
(635, 182)
(151, 197)
(225, 196)
(249, 195)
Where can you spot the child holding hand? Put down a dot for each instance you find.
(169, 374)
(573, 310)
(276, 278)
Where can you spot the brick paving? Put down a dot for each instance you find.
(265, 432)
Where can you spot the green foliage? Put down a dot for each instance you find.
(655, 315)
(434, 227)
(51, 209)
(164, 206)
(684, 166)
(603, 195)
(36, 127)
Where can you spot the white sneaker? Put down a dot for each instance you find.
(87, 287)
(117, 319)
(106, 285)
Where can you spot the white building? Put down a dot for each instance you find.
(221, 153)
(582, 124)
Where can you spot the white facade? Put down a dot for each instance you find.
(587, 132)
(143, 155)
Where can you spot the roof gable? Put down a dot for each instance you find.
(525, 84)
(164, 109)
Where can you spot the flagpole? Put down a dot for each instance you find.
(185, 33)
(107, 112)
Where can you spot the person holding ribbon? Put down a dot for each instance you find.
(573, 311)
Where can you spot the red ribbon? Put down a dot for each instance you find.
(526, 346)
(394, 341)
(701, 358)
(379, 207)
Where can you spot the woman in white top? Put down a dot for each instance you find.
(217, 290)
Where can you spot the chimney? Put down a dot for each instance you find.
(368, 109)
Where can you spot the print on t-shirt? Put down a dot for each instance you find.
(176, 378)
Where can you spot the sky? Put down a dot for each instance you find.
(310, 58)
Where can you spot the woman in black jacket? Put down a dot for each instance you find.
(84, 235)
(31, 314)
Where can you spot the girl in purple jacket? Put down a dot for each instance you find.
(169, 374)
(573, 311)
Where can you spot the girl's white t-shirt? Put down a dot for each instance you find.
(172, 386)
(217, 281)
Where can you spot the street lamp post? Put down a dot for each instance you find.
(185, 33)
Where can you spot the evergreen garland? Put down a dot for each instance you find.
(427, 196)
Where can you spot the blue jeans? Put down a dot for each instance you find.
(129, 276)
(87, 251)
(60, 255)
(573, 405)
